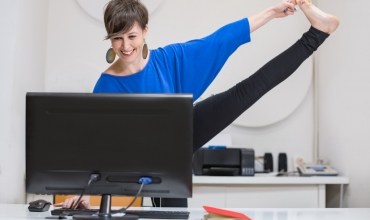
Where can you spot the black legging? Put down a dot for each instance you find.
(215, 113)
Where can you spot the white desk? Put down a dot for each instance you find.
(20, 212)
(262, 191)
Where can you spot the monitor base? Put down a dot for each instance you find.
(104, 212)
(89, 217)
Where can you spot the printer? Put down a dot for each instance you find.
(224, 162)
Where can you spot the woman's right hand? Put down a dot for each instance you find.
(68, 204)
(285, 8)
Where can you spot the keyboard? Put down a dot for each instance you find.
(140, 213)
(159, 214)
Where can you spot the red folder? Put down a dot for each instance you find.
(226, 212)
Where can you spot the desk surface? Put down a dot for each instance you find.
(270, 179)
(20, 212)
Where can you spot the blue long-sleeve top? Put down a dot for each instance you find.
(181, 68)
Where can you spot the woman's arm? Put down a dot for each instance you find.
(277, 11)
(193, 65)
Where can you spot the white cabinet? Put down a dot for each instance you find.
(261, 191)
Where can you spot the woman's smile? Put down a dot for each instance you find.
(128, 53)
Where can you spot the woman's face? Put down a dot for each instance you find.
(128, 46)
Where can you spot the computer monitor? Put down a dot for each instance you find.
(122, 137)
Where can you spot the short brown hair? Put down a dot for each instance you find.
(121, 15)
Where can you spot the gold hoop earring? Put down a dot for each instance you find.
(145, 50)
(111, 55)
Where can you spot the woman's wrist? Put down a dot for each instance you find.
(260, 19)
(271, 13)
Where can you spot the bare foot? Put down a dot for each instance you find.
(320, 20)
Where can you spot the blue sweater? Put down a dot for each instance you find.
(181, 68)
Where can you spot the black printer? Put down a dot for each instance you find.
(224, 162)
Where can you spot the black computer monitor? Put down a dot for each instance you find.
(121, 137)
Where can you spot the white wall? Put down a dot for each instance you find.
(23, 28)
(8, 33)
(344, 100)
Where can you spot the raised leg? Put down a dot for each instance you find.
(214, 114)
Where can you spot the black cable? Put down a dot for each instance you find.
(124, 209)
(93, 177)
(141, 187)
(87, 186)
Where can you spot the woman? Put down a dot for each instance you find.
(190, 67)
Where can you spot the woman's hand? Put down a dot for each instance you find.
(285, 8)
(68, 204)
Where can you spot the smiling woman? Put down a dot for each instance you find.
(125, 44)
(126, 23)
(191, 67)
(128, 46)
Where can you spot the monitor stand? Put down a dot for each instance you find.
(104, 212)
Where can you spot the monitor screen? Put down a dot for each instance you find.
(122, 137)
